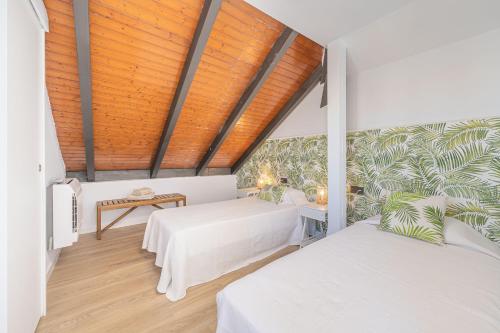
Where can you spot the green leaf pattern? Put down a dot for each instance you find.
(458, 160)
(272, 193)
(414, 215)
(302, 160)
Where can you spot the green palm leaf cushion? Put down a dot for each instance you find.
(272, 193)
(415, 215)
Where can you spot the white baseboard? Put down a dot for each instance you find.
(52, 257)
(121, 224)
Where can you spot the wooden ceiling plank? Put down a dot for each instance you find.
(287, 109)
(82, 31)
(277, 52)
(68, 119)
(202, 32)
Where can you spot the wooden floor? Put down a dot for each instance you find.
(110, 286)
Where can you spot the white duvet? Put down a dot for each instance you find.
(365, 280)
(196, 244)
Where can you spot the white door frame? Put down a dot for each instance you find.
(4, 154)
(41, 163)
(3, 165)
(41, 14)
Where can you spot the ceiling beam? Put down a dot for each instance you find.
(324, 80)
(285, 111)
(81, 17)
(272, 59)
(200, 38)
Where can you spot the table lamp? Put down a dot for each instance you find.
(321, 195)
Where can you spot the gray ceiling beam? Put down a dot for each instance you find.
(272, 59)
(81, 17)
(324, 80)
(200, 38)
(285, 111)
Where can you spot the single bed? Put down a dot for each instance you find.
(365, 280)
(196, 244)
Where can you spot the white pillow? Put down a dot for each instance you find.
(460, 234)
(294, 197)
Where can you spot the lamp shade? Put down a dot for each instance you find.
(321, 195)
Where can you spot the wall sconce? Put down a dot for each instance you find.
(264, 181)
(321, 195)
(356, 189)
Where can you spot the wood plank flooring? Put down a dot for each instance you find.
(110, 286)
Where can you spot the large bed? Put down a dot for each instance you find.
(196, 244)
(365, 280)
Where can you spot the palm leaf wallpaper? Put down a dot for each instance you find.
(459, 160)
(302, 160)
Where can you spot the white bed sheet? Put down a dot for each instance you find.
(196, 244)
(365, 280)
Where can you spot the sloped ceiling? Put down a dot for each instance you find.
(326, 20)
(418, 27)
(137, 51)
(384, 31)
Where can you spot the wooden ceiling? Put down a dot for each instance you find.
(138, 49)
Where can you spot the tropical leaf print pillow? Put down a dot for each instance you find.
(415, 215)
(272, 193)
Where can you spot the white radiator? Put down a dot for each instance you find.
(67, 212)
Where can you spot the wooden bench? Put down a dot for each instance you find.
(133, 204)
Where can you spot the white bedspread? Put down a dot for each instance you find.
(196, 244)
(365, 280)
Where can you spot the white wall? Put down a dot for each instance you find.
(25, 226)
(454, 82)
(306, 120)
(54, 170)
(197, 190)
(3, 166)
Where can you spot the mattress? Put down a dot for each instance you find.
(365, 280)
(196, 244)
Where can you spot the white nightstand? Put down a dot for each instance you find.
(313, 213)
(247, 192)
